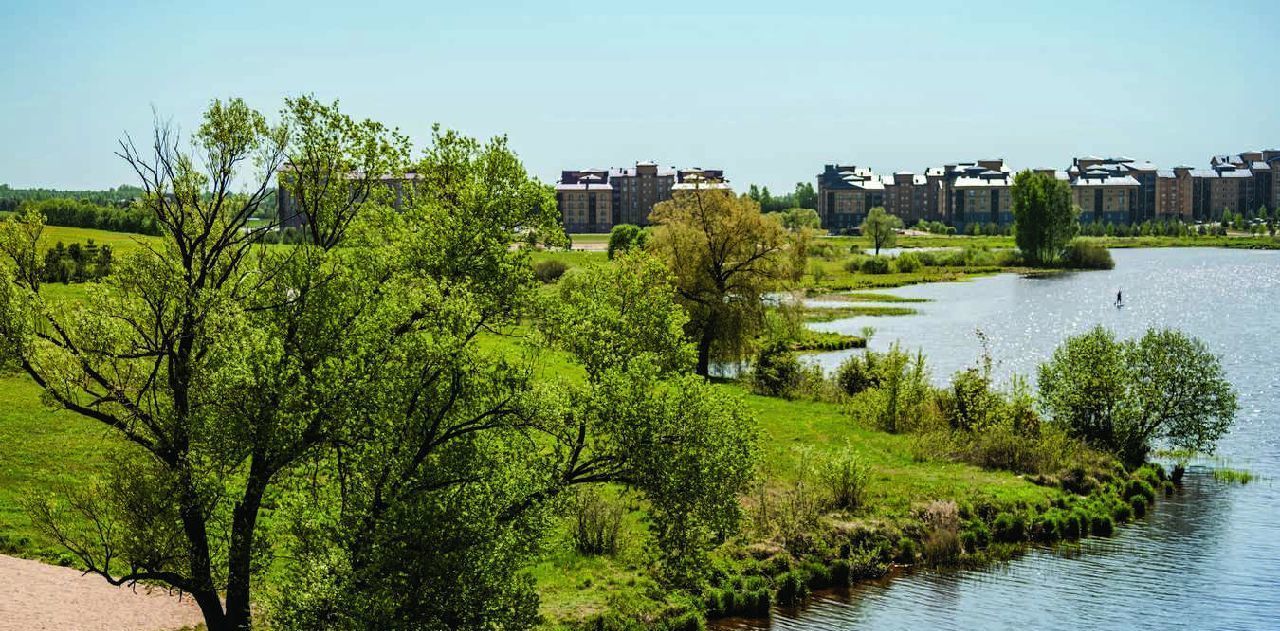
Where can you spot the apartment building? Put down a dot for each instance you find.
(976, 192)
(907, 197)
(291, 216)
(1173, 194)
(1106, 196)
(595, 200)
(846, 193)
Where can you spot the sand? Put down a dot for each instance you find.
(35, 596)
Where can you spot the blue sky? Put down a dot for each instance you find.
(767, 91)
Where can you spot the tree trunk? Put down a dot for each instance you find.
(240, 553)
(704, 349)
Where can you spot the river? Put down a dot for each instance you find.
(1208, 558)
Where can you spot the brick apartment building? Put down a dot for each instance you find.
(1118, 190)
(595, 200)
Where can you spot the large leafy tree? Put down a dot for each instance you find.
(687, 445)
(333, 399)
(1045, 218)
(1125, 395)
(725, 256)
(881, 228)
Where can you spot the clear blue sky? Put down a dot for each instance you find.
(767, 91)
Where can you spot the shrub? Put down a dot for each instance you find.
(976, 535)
(777, 372)
(1081, 254)
(1138, 505)
(858, 373)
(597, 522)
(907, 262)
(845, 477)
(624, 237)
(904, 390)
(875, 265)
(942, 532)
(792, 589)
(549, 271)
(1009, 528)
(906, 550)
(1101, 525)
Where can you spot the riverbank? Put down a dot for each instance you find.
(914, 480)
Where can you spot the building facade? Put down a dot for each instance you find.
(846, 193)
(596, 200)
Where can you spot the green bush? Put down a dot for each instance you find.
(597, 522)
(776, 372)
(1101, 525)
(625, 237)
(1139, 506)
(550, 270)
(1009, 528)
(846, 477)
(792, 589)
(875, 265)
(858, 373)
(1081, 254)
(906, 263)
(906, 550)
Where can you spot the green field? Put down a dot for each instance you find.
(41, 449)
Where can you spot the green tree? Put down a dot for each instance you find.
(881, 228)
(234, 376)
(805, 196)
(624, 237)
(1122, 396)
(725, 256)
(686, 445)
(1045, 219)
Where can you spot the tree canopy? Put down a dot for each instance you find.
(1045, 218)
(725, 256)
(881, 228)
(1124, 395)
(409, 470)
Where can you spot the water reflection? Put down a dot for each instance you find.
(1207, 558)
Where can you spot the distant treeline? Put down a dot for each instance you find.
(85, 214)
(114, 209)
(121, 196)
(802, 197)
(76, 263)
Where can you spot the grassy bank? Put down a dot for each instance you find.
(788, 546)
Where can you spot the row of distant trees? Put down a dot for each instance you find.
(804, 196)
(76, 263)
(80, 213)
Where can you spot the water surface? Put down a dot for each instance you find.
(1209, 558)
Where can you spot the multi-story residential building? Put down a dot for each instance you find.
(982, 198)
(907, 197)
(291, 216)
(585, 200)
(846, 193)
(1262, 167)
(976, 192)
(1105, 195)
(595, 200)
(1119, 190)
(1173, 194)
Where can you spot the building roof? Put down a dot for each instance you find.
(1093, 178)
(982, 182)
(583, 187)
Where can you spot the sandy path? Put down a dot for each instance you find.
(37, 596)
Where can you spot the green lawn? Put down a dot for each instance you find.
(41, 449)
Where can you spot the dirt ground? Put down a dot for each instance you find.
(35, 596)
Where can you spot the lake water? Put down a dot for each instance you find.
(1208, 558)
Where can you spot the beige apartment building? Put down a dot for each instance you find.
(595, 200)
